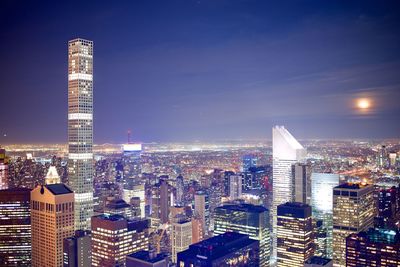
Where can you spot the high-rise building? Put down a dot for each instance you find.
(135, 190)
(375, 247)
(322, 206)
(146, 259)
(353, 212)
(15, 227)
(160, 202)
(78, 249)
(294, 234)
(249, 161)
(235, 186)
(228, 249)
(246, 219)
(181, 236)
(80, 129)
(202, 211)
(286, 151)
(114, 237)
(4, 183)
(387, 208)
(119, 206)
(180, 187)
(301, 183)
(52, 219)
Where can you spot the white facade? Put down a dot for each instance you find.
(80, 129)
(286, 151)
(235, 186)
(136, 191)
(181, 237)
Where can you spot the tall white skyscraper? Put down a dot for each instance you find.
(286, 151)
(80, 129)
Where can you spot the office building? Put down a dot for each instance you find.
(249, 161)
(353, 212)
(133, 189)
(286, 151)
(4, 183)
(318, 262)
(301, 183)
(52, 219)
(146, 259)
(160, 202)
(119, 206)
(15, 227)
(228, 249)
(80, 129)
(322, 185)
(295, 243)
(387, 208)
(374, 247)
(235, 186)
(180, 187)
(181, 236)
(114, 237)
(202, 211)
(78, 249)
(246, 219)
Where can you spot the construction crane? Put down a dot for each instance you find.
(163, 228)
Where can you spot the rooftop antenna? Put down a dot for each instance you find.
(129, 136)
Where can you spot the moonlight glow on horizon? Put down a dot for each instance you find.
(363, 103)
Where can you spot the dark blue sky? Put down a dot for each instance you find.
(204, 70)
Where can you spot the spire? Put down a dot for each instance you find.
(52, 176)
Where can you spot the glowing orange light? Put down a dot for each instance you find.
(363, 103)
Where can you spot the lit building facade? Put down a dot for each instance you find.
(375, 247)
(15, 227)
(181, 237)
(353, 212)
(114, 237)
(4, 183)
(80, 129)
(246, 219)
(294, 234)
(52, 219)
(235, 186)
(286, 151)
(202, 211)
(322, 185)
(228, 249)
(135, 190)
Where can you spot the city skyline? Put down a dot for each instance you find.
(205, 71)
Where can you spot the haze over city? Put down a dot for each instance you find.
(204, 70)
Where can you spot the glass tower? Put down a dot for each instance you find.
(80, 129)
(286, 151)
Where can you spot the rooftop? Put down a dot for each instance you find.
(318, 261)
(244, 207)
(58, 189)
(354, 186)
(145, 255)
(376, 235)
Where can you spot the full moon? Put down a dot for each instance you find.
(363, 103)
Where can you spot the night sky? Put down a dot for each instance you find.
(204, 70)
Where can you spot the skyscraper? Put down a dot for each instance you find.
(15, 227)
(4, 183)
(375, 247)
(181, 236)
(322, 205)
(294, 234)
(180, 187)
(235, 186)
(114, 237)
(52, 176)
(286, 152)
(78, 250)
(80, 129)
(52, 218)
(246, 219)
(133, 189)
(301, 175)
(353, 212)
(202, 211)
